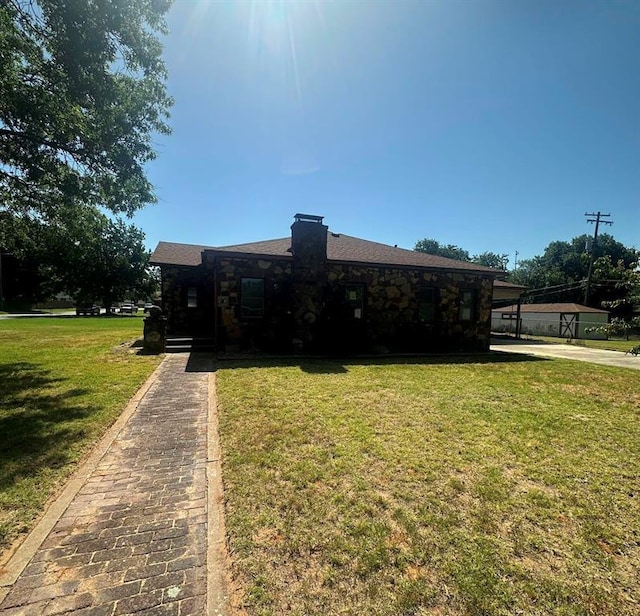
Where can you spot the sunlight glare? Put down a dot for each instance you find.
(274, 26)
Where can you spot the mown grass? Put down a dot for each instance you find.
(63, 381)
(506, 486)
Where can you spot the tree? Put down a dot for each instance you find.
(489, 259)
(563, 267)
(95, 257)
(21, 280)
(83, 93)
(84, 253)
(450, 251)
(618, 328)
(492, 259)
(622, 282)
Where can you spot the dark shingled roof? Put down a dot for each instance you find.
(558, 307)
(170, 253)
(508, 285)
(340, 247)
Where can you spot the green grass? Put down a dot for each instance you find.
(611, 345)
(454, 487)
(63, 381)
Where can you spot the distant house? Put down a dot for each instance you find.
(563, 320)
(504, 292)
(318, 291)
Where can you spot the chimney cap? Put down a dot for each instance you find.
(308, 218)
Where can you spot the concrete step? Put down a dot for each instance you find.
(188, 344)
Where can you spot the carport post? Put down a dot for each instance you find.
(518, 318)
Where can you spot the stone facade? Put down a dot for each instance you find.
(187, 315)
(338, 307)
(323, 292)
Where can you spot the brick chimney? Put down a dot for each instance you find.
(309, 241)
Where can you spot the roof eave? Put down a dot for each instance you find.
(246, 255)
(438, 268)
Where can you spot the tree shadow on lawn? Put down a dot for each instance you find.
(36, 423)
(209, 362)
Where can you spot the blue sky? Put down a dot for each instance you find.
(489, 125)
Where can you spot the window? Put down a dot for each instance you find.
(354, 297)
(467, 304)
(427, 303)
(252, 298)
(192, 297)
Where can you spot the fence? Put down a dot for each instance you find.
(556, 325)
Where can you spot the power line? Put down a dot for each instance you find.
(558, 288)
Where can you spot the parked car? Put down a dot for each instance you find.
(87, 309)
(128, 307)
(148, 306)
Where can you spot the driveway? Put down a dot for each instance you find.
(568, 351)
(41, 315)
(37, 315)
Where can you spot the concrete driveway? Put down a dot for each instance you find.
(38, 315)
(568, 351)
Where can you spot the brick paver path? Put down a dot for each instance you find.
(134, 539)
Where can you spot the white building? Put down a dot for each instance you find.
(563, 320)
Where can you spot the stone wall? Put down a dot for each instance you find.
(182, 319)
(310, 315)
(271, 331)
(391, 319)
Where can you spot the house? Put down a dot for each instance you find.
(318, 291)
(506, 292)
(563, 320)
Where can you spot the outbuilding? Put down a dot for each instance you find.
(563, 320)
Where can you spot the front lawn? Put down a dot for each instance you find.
(63, 381)
(507, 485)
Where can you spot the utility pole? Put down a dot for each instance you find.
(597, 219)
(515, 263)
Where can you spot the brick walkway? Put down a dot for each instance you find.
(134, 538)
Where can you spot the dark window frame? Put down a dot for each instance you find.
(192, 297)
(471, 305)
(248, 311)
(423, 302)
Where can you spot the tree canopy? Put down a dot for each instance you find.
(100, 259)
(489, 259)
(90, 256)
(433, 247)
(559, 274)
(83, 95)
(83, 92)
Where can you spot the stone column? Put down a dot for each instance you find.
(155, 332)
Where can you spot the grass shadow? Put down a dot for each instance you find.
(209, 362)
(38, 423)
